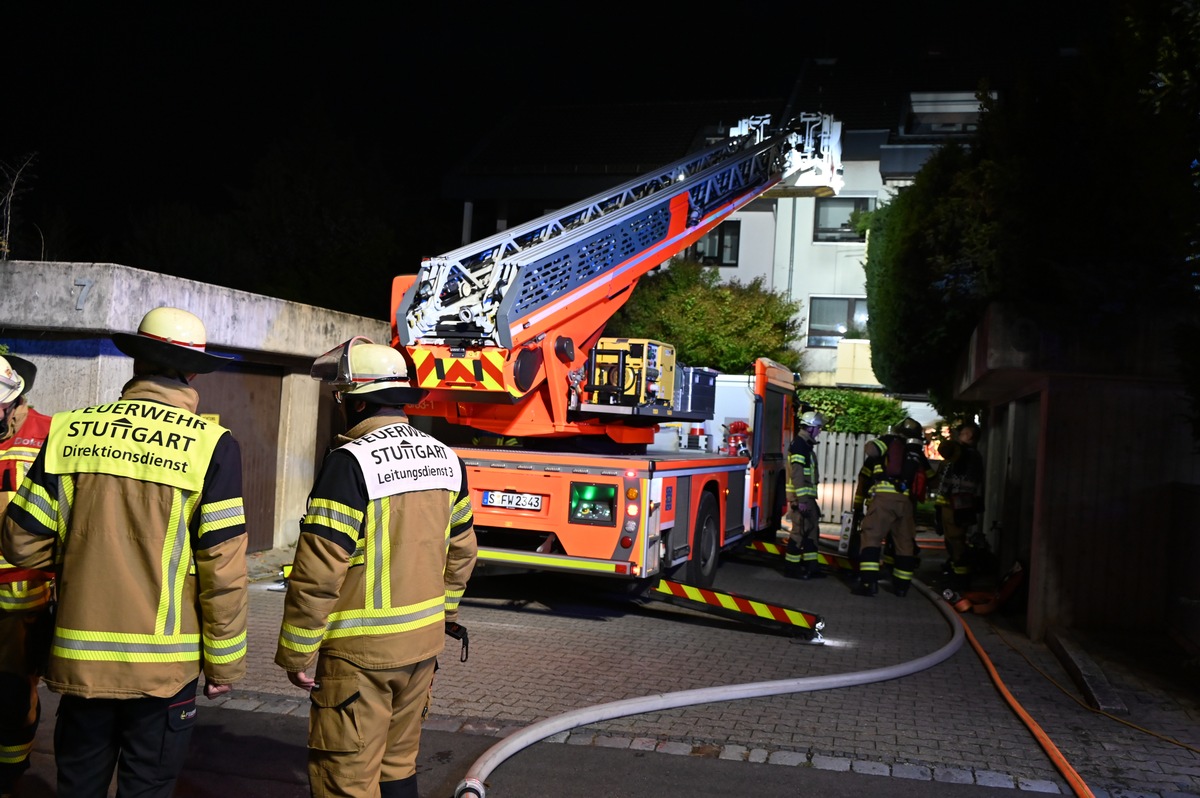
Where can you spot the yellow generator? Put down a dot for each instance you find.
(632, 372)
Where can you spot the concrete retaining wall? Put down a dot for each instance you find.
(60, 316)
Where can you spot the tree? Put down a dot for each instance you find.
(1172, 91)
(9, 190)
(1037, 212)
(723, 326)
(932, 250)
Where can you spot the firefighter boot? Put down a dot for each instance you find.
(793, 566)
(960, 582)
(812, 563)
(866, 587)
(902, 574)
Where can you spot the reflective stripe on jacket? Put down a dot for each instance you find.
(802, 473)
(21, 589)
(875, 471)
(141, 515)
(375, 579)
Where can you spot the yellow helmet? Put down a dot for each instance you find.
(366, 370)
(173, 338)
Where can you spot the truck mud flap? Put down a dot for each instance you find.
(755, 612)
(839, 563)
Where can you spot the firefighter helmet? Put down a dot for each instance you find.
(949, 450)
(12, 385)
(373, 372)
(909, 428)
(812, 420)
(172, 338)
(24, 368)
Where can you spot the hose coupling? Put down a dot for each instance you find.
(470, 787)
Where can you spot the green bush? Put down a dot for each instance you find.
(720, 325)
(852, 412)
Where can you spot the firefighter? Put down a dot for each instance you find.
(803, 474)
(893, 480)
(25, 594)
(385, 551)
(137, 505)
(959, 501)
(871, 448)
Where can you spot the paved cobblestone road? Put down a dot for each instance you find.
(541, 647)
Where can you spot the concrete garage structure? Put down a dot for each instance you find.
(61, 316)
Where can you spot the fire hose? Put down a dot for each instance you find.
(473, 783)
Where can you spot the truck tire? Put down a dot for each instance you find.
(701, 568)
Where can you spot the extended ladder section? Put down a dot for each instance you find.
(481, 322)
(498, 291)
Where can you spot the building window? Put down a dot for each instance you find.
(830, 319)
(833, 218)
(719, 246)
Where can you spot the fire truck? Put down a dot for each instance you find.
(578, 447)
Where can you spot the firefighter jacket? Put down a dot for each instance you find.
(960, 479)
(862, 485)
(137, 506)
(803, 473)
(21, 589)
(910, 482)
(385, 550)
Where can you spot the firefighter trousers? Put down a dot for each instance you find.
(19, 709)
(889, 514)
(956, 547)
(805, 528)
(145, 739)
(364, 728)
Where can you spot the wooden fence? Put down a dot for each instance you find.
(839, 457)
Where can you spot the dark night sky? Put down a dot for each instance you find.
(127, 104)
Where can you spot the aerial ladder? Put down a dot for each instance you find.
(500, 331)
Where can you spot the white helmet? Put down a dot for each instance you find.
(12, 385)
(172, 338)
(812, 419)
(366, 370)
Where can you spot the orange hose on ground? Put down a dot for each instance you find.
(1064, 767)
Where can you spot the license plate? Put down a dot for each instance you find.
(514, 501)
